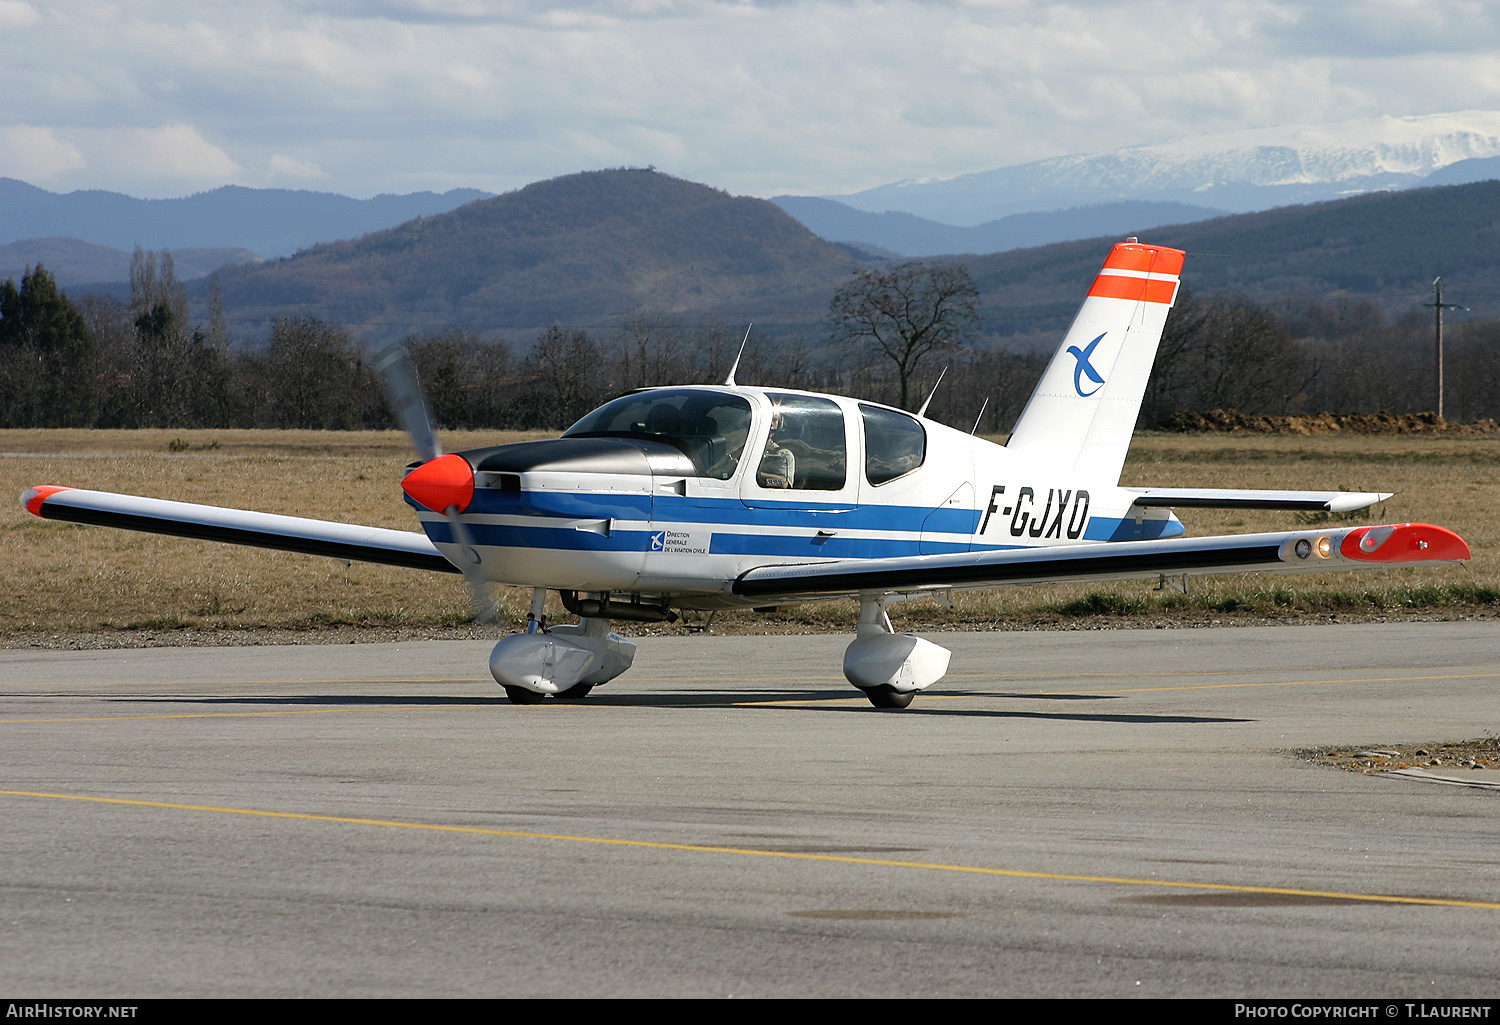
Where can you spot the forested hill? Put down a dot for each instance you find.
(583, 249)
(1384, 246)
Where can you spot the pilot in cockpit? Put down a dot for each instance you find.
(778, 467)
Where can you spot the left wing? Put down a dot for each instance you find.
(347, 541)
(1285, 552)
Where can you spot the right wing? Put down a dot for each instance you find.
(1243, 498)
(1288, 551)
(347, 541)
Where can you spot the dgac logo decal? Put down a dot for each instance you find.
(658, 540)
(1027, 520)
(1085, 368)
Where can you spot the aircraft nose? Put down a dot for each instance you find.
(447, 481)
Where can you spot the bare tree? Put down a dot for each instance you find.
(907, 313)
(313, 377)
(1226, 352)
(565, 366)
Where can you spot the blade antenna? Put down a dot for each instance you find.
(980, 417)
(730, 379)
(923, 410)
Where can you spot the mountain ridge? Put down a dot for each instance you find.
(909, 235)
(1242, 171)
(269, 222)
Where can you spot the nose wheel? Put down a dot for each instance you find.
(523, 696)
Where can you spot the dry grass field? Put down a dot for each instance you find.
(64, 581)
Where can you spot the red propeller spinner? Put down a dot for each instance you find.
(442, 483)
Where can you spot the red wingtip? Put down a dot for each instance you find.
(1404, 542)
(442, 482)
(32, 498)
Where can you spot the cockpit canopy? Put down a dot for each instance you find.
(709, 427)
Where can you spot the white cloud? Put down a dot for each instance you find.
(282, 166)
(171, 151)
(35, 154)
(15, 14)
(795, 95)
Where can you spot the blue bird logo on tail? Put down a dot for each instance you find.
(1085, 368)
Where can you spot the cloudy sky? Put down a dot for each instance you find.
(168, 97)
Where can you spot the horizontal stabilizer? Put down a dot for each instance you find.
(1288, 551)
(346, 541)
(1237, 498)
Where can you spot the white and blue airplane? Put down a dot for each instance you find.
(727, 496)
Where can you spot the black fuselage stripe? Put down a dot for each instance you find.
(254, 538)
(1060, 568)
(1231, 503)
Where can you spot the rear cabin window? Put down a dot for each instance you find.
(806, 450)
(895, 444)
(710, 427)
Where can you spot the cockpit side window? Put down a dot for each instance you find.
(895, 444)
(806, 449)
(710, 427)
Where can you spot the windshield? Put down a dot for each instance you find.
(711, 427)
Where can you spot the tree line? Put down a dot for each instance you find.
(143, 363)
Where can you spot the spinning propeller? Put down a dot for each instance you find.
(442, 483)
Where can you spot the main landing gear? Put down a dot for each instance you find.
(890, 667)
(569, 661)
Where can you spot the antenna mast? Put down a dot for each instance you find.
(730, 379)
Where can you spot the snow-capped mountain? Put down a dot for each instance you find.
(1245, 170)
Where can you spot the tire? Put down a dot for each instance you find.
(573, 693)
(886, 696)
(522, 696)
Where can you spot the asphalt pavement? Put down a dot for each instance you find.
(1089, 813)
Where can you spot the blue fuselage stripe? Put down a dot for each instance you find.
(740, 534)
(730, 511)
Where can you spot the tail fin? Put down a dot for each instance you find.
(1084, 409)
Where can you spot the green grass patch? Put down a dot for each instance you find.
(1102, 603)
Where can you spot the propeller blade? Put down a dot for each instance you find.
(479, 591)
(410, 408)
(407, 402)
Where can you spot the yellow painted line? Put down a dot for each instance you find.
(774, 702)
(929, 866)
(1134, 690)
(1289, 683)
(228, 715)
(999, 677)
(230, 683)
(1013, 676)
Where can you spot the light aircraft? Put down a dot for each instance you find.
(721, 497)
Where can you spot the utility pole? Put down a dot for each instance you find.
(1438, 306)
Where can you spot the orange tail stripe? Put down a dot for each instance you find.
(1136, 257)
(1113, 286)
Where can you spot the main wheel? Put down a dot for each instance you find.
(573, 693)
(522, 696)
(886, 696)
